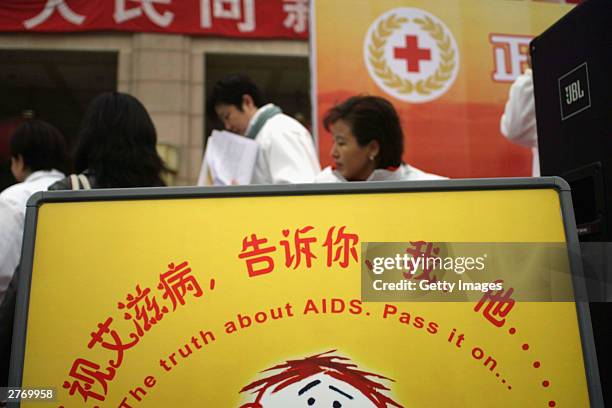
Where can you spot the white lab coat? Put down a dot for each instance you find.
(13, 202)
(18, 194)
(518, 123)
(404, 172)
(11, 231)
(286, 151)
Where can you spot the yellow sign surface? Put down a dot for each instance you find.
(188, 301)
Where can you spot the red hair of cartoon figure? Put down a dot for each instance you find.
(320, 381)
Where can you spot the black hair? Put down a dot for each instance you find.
(41, 145)
(117, 143)
(372, 118)
(230, 90)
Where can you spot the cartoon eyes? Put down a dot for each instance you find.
(311, 402)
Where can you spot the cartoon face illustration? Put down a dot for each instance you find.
(319, 381)
(319, 390)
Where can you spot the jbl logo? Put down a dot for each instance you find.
(574, 91)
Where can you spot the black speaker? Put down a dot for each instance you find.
(572, 73)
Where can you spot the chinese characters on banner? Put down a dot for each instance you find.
(299, 248)
(510, 55)
(91, 379)
(497, 304)
(446, 72)
(227, 18)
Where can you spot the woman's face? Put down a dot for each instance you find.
(353, 162)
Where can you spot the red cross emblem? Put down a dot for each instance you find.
(412, 53)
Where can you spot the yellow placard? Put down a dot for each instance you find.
(187, 301)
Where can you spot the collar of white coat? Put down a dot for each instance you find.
(378, 175)
(37, 175)
(257, 115)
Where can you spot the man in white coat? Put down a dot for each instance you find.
(286, 149)
(518, 123)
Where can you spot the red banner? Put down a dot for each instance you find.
(287, 19)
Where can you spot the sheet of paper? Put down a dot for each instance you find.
(229, 159)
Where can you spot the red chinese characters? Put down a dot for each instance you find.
(88, 380)
(142, 309)
(299, 249)
(424, 250)
(345, 245)
(176, 282)
(110, 340)
(497, 305)
(91, 379)
(254, 254)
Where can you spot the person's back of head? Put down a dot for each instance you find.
(230, 91)
(235, 99)
(372, 118)
(117, 143)
(37, 145)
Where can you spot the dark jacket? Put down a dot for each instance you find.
(66, 183)
(7, 318)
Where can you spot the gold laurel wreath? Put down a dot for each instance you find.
(435, 81)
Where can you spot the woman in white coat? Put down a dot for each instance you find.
(368, 143)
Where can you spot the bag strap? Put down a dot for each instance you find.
(84, 182)
(74, 182)
(79, 180)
